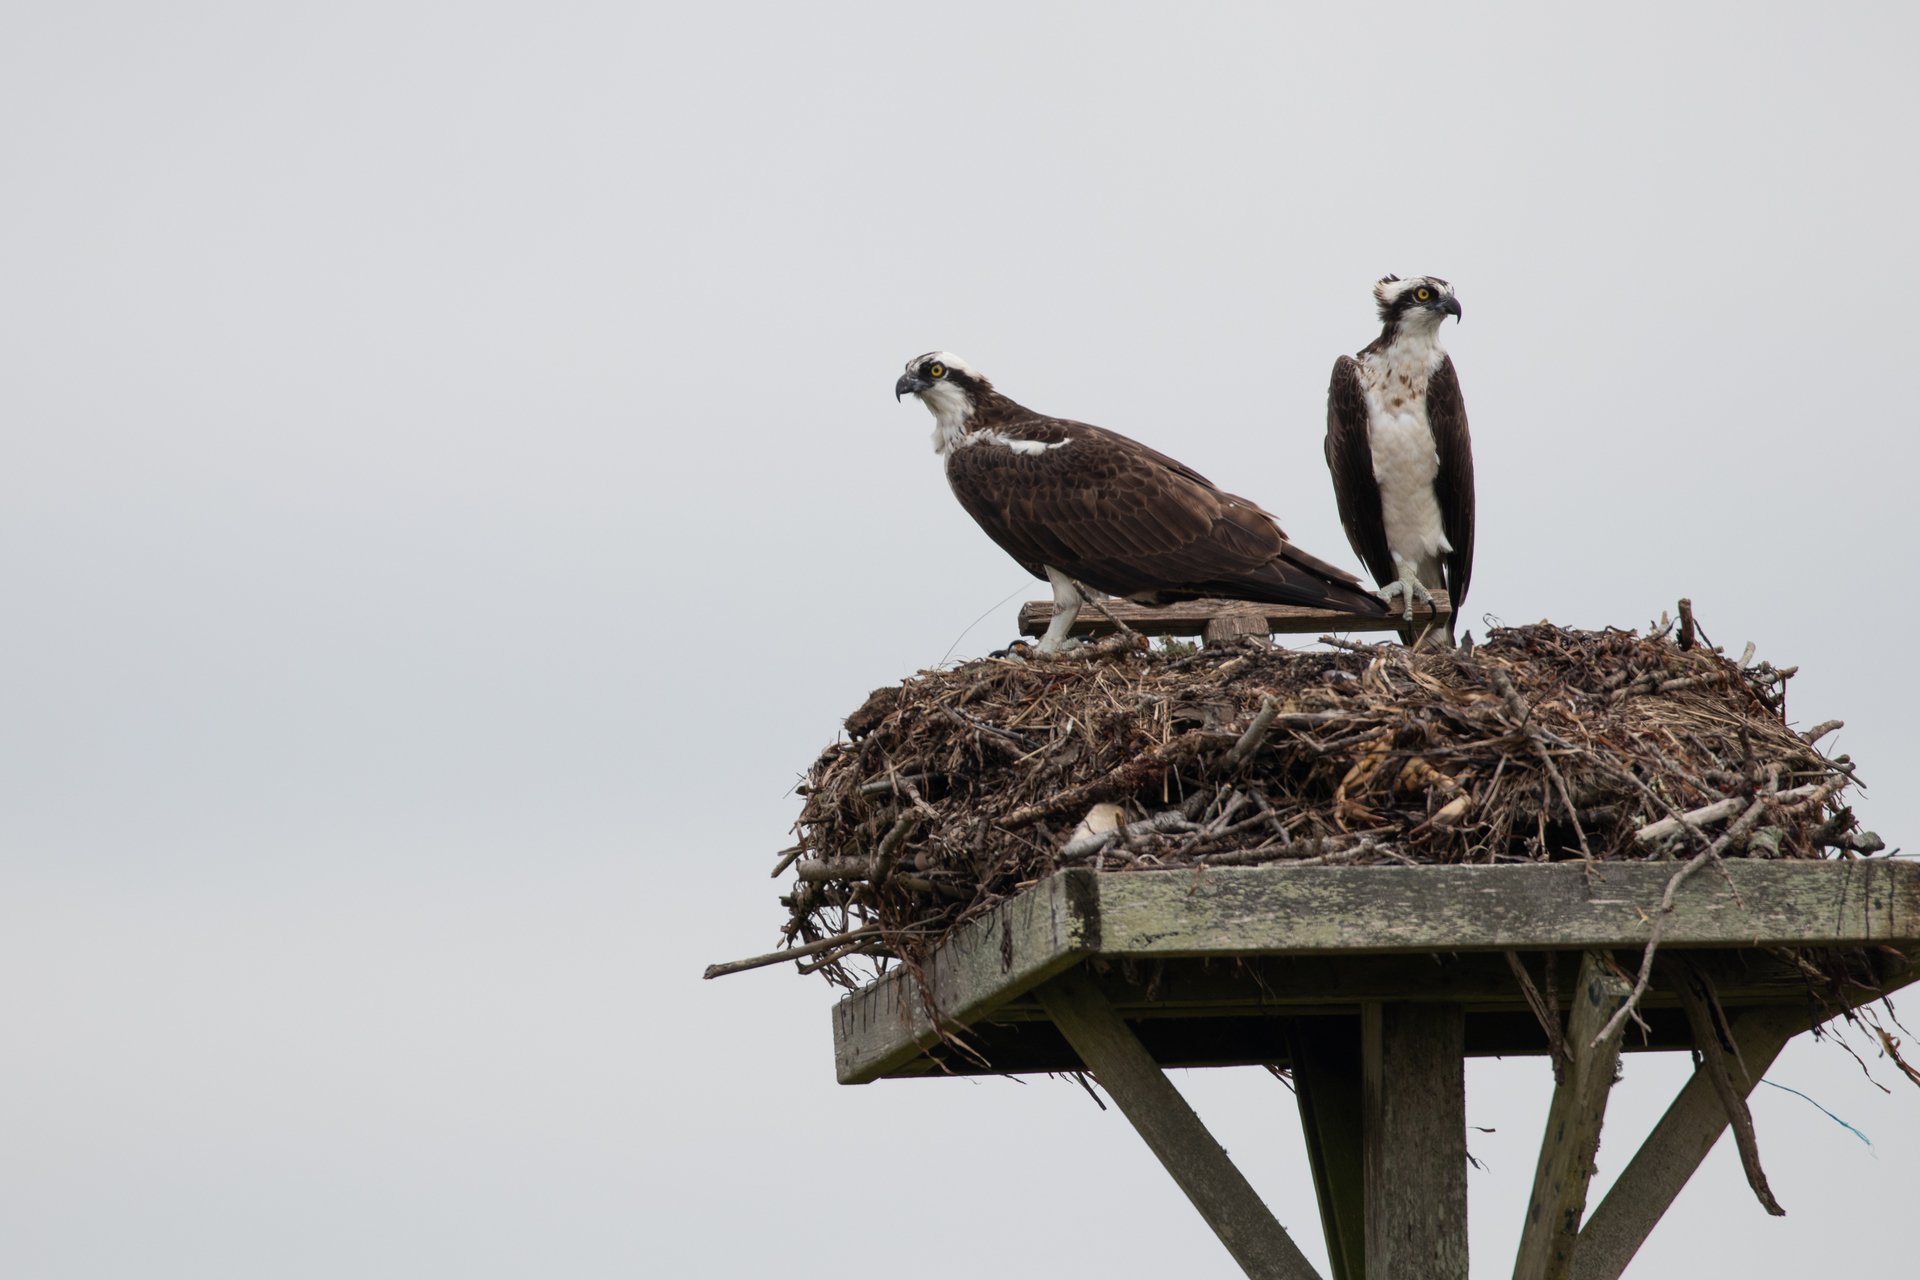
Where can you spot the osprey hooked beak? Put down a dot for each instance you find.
(911, 383)
(1450, 305)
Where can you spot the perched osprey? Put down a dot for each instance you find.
(1398, 448)
(1077, 504)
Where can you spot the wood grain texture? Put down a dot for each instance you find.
(1414, 1085)
(1231, 624)
(885, 1025)
(1325, 1056)
(1148, 1099)
(1362, 910)
(1326, 913)
(1667, 1159)
(1192, 618)
(1551, 1229)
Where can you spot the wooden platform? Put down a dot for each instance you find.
(1374, 984)
(1232, 953)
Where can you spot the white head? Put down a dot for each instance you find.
(951, 390)
(1415, 305)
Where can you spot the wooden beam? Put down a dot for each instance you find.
(1667, 1159)
(1325, 1056)
(1148, 1099)
(1359, 910)
(1192, 617)
(1258, 986)
(987, 962)
(1552, 1227)
(1327, 912)
(1414, 1083)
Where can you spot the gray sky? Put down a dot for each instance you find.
(452, 488)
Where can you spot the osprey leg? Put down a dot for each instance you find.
(1066, 610)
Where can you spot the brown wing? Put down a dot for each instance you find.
(1350, 458)
(1130, 521)
(1453, 485)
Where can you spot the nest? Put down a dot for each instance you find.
(959, 788)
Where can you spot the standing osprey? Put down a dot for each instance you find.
(1077, 504)
(1398, 448)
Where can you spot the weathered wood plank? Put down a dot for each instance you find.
(1667, 1159)
(1359, 910)
(1414, 1085)
(1325, 1056)
(1230, 625)
(1551, 1230)
(1148, 1099)
(1263, 985)
(1191, 618)
(1328, 912)
(885, 1024)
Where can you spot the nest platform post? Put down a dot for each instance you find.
(1374, 985)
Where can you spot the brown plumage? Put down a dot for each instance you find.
(1108, 511)
(1430, 383)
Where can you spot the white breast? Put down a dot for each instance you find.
(1405, 461)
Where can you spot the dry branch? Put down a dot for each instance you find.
(1708, 1024)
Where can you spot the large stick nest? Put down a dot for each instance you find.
(960, 787)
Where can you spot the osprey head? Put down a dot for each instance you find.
(1421, 301)
(949, 387)
(938, 375)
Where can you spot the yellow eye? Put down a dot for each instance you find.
(936, 370)
(1421, 295)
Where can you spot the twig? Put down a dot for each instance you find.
(823, 869)
(1692, 819)
(1544, 1011)
(891, 784)
(1093, 598)
(1526, 725)
(787, 858)
(1256, 732)
(1686, 623)
(889, 846)
(1740, 827)
(1707, 1036)
(954, 713)
(1821, 730)
(1168, 820)
(791, 953)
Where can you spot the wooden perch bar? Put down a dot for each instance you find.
(1195, 617)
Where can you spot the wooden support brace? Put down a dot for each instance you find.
(1148, 1099)
(1675, 1148)
(1551, 1232)
(1414, 1081)
(1325, 1053)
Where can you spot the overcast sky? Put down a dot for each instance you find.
(452, 488)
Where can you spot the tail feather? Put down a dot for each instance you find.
(1285, 582)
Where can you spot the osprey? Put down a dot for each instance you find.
(1077, 504)
(1398, 448)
